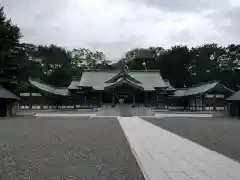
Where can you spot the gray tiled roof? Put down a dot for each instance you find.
(235, 97)
(6, 94)
(170, 87)
(201, 89)
(97, 79)
(74, 84)
(121, 81)
(48, 88)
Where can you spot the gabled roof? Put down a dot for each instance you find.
(122, 81)
(201, 89)
(48, 88)
(98, 79)
(122, 74)
(6, 94)
(235, 97)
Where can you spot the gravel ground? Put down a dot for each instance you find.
(218, 134)
(60, 148)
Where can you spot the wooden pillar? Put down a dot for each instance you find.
(31, 100)
(236, 109)
(195, 103)
(113, 99)
(88, 97)
(145, 99)
(75, 101)
(202, 97)
(42, 101)
(134, 99)
(228, 109)
(85, 99)
(100, 98)
(214, 102)
(189, 104)
(166, 103)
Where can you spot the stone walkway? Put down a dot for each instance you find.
(163, 155)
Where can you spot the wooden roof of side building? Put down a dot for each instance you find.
(235, 97)
(201, 89)
(48, 88)
(6, 94)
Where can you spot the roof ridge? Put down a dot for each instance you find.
(42, 82)
(124, 80)
(118, 70)
(101, 70)
(61, 87)
(144, 70)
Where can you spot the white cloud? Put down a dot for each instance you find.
(115, 27)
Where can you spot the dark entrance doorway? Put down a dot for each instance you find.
(3, 107)
(126, 96)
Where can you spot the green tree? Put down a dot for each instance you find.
(87, 59)
(205, 63)
(56, 64)
(10, 52)
(173, 64)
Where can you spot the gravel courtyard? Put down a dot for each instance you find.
(219, 134)
(65, 148)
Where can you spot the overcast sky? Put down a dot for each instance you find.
(116, 26)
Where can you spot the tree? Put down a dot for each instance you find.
(10, 52)
(56, 64)
(173, 64)
(86, 59)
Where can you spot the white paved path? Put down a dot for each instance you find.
(163, 155)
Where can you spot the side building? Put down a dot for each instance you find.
(8, 102)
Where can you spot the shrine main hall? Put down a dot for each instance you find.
(96, 88)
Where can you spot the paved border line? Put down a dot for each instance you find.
(133, 150)
(63, 115)
(163, 115)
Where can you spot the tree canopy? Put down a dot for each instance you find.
(10, 51)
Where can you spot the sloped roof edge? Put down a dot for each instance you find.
(122, 74)
(62, 91)
(234, 97)
(6, 94)
(169, 85)
(199, 89)
(124, 81)
(117, 70)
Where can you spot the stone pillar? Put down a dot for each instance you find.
(134, 99)
(113, 99)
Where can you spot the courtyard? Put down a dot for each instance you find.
(119, 147)
(60, 148)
